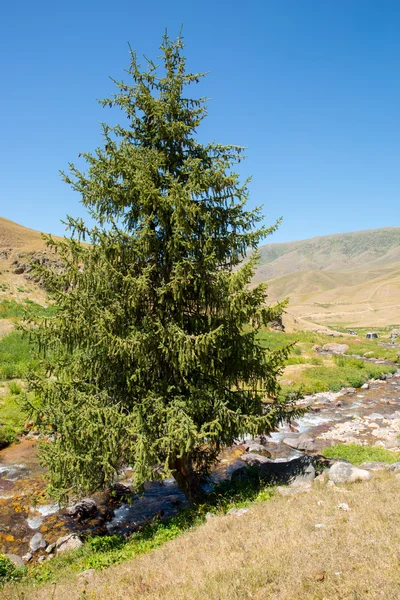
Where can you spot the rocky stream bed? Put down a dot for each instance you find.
(32, 527)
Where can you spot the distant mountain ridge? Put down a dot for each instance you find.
(344, 251)
(348, 279)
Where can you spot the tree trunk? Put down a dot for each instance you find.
(189, 483)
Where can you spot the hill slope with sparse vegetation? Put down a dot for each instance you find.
(350, 279)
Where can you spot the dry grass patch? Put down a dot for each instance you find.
(273, 551)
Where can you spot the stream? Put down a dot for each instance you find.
(365, 416)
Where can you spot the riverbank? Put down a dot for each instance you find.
(331, 542)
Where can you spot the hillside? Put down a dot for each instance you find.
(350, 279)
(344, 280)
(17, 245)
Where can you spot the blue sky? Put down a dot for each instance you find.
(310, 87)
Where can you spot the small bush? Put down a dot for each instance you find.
(8, 571)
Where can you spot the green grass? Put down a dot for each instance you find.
(12, 419)
(10, 309)
(358, 454)
(345, 372)
(8, 571)
(104, 551)
(16, 356)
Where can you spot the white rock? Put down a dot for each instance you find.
(342, 472)
(68, 542)
(37, 542)
(344, 506)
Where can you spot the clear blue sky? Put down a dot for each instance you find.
(311, 87)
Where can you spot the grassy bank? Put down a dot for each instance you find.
(294, 547)
(105, 551)
(358, 454)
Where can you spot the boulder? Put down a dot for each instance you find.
(375, 466)
(342, 472)
(68, 542)
(37, 542)
(335, 348)
(82, 510)
(294, 472)
(15, 559)
(258, 449)
(303, 442)
(254, 460)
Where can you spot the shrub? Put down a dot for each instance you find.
(9, 571)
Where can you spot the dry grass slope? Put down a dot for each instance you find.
(274, 551)
(350, 279)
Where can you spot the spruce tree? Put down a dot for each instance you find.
(153, 357)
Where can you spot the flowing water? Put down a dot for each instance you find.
(364, 416)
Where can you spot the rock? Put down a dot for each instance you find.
(303, 442)
(277, 324)
(320, 478)
(210, 516)
(342, 472)
(375, 466)
(375, 417)
(319, 525)
(119, 492)
(344, 506)
(394, 467)
(15, 559)
(50, 548)
(317, 348)
(335, 348)
(237, 512)
(254, 460)
(384, 433)
(240, 476)
(68, 542)
(365, 386)
(41, 559)
(330, 484)
(27, 557)
(258, 449)
(37, 542)
(84, 509)
(293, 472)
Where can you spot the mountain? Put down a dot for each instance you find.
(348, 280)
